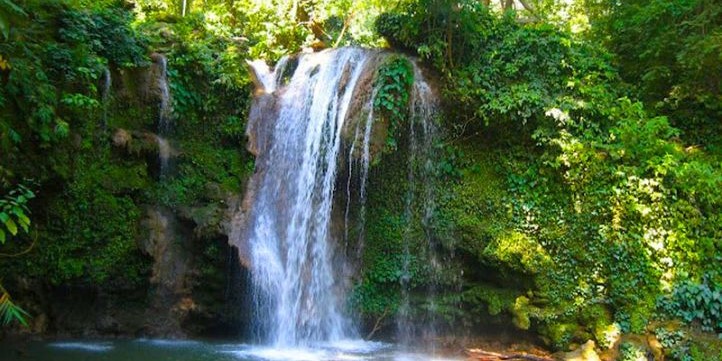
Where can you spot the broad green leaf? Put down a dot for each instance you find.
(24, 220)
(11, 226)
(4, 26)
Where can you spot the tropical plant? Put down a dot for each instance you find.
(9, 13)
(14, 211)
(14, 216)
(9, 311)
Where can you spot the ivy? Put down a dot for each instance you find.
(392, 87)
(699, 302)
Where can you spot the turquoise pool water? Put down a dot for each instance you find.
(188, 350)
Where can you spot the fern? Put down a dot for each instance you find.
(9, 311)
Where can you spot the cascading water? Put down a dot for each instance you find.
(292, 253)
(305, 124)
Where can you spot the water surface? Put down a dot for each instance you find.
(189, 350)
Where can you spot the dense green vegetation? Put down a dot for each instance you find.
(576, 178)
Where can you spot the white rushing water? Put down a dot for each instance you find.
(300, 299)
(293, 254)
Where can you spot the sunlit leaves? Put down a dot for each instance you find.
(670, 51)
(392, 87)
(13, 212)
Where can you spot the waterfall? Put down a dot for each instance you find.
(312, 116)
(292, 251)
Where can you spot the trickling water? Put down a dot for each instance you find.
(424, 108)
(422, 111)
(107, 83)
(164, 116)
(365, 163)
(349, 182)
(403, 320)
(164, 151)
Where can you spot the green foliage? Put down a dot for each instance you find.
(696, 302)
(9, 12)
(616, 208)
(391, 100)
(271, 29)
(104, 31)
(54, 60)
(95, 226)
(496, 70)
(9, 311)
(496, 300)
(210, 90)
(675, 342)
(670, 51)
(14, 211)
(631, 352)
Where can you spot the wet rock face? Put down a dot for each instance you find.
(259, 130)
(261, 122)
(155, 87)
(165, 244)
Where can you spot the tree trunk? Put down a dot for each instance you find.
(507, 4)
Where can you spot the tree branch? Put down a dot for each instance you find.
(377, 325)
(35, 239)
(481, 355)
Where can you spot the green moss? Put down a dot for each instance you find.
(559, 335)
(488, 299)
(521, 310)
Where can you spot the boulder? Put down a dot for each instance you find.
(586, 352)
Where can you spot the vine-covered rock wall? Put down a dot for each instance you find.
(130, 228)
